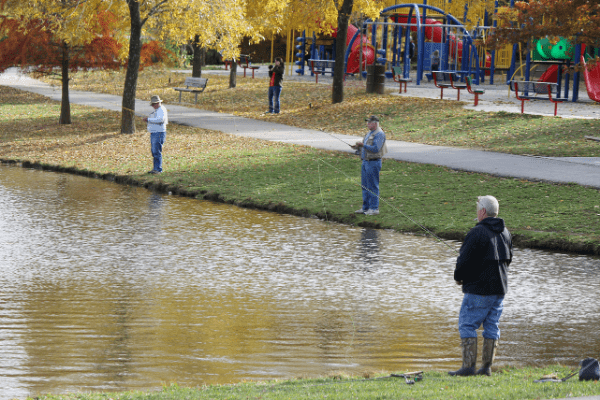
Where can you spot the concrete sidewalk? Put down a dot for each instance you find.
(583, 171)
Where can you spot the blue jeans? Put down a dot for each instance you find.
(157, 139)
(274, 92)
(369, 180)
(477, 310)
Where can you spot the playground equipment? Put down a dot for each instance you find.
(309, 47)
(358, 52)
(386, 41)
(449, 36)
(556, 56)
(592, 79)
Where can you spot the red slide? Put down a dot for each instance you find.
(550, 75)
(592, 80)
(368, 52)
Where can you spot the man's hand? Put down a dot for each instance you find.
(145, 119)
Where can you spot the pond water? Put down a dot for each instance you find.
(108, 287)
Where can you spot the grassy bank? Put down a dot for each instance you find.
(429, 121)
(507, 384)
(293, 179)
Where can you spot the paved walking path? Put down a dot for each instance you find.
(583, 171)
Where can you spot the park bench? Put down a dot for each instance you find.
(243, 59)
(321, 67)
(244, 62)
(530, 90)
(457, 86)
(439, 80)
(398, 73)
(474, 91)
(194, 85)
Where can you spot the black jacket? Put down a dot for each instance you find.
(484, 258)
(278, 71)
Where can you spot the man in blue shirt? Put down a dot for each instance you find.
(371, 149)
(157, 126)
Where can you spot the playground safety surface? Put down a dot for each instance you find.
(579, 170)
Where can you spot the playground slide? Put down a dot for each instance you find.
(368, 52)
(550, 75)
(592, 80)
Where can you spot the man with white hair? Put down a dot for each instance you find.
(481, 269)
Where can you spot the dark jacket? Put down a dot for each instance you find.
(278, 71)
(484, 258)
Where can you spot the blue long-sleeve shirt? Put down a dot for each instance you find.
(376, 144)
(158, 120)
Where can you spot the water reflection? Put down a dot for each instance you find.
(369, 246)
(106, 287)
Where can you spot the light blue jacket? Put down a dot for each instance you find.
(373, 145)
(158, 120)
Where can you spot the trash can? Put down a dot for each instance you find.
(375, 78)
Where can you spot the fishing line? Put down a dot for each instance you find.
(394, 208)
(321, 191)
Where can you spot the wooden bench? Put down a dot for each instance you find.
(321, 67)
(194, 85)
(398, 73)
(530, 90)
(476, 92)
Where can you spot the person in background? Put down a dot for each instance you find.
(481, 269)
(371, 149)
(157, 126)
(435, 61)
(275, 79)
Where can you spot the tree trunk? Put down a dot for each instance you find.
(65, 106)
(233, 74)
(339, 69)
(133, 66)
(198, 60)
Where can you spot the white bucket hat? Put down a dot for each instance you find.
(155, 99)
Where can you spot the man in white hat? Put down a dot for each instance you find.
(157, 126)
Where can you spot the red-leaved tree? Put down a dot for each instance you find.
(32, 46)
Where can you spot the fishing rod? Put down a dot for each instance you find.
(335, 137)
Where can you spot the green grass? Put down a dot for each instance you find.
(507, 384)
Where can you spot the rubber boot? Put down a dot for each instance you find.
(487, 356)
(469, 355)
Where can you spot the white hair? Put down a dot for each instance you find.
(489, 203)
